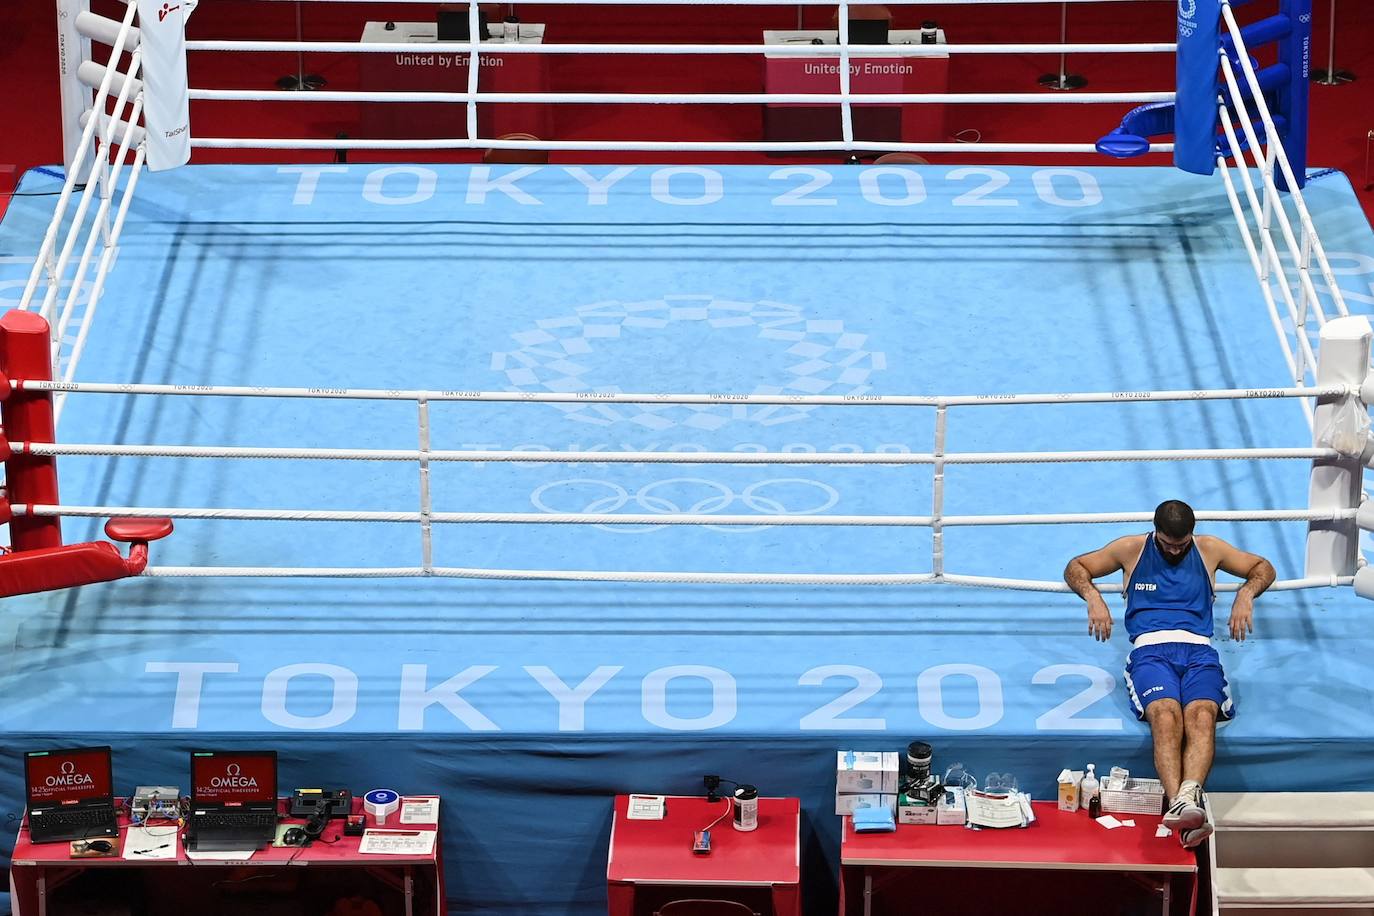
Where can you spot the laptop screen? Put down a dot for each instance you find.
(68, 777)
(868, 31)
(234, 778)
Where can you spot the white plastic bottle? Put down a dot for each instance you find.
(746, 808)
(1090, 789)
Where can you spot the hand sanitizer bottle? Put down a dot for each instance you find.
(1091, 789)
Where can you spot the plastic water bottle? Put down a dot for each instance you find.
(1091, 790)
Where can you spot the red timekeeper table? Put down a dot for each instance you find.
(660, 852)
(1058, 841)
(431, 71)
(38, 870)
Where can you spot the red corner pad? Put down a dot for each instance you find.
(48, 568)
(45, 569)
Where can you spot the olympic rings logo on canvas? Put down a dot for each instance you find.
(685, 495)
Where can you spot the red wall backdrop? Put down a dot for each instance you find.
(1342, 116)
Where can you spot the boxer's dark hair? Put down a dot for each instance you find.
(1174, 518)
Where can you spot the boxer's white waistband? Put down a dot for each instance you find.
(1160, 637)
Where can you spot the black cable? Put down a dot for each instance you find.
(77, 187)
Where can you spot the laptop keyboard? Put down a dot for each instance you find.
(79, 817)
(235, 821)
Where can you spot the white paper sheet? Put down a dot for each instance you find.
(398, 842)
(997, 811)
(1109, 822)
(150, 843)
(1161, 830)
(419, 809)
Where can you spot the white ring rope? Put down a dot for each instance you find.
(682, 518)
(1306, 355)
(1309, 291)
(428, 516)
(787, 50)
(670, 578)
(45, 257)
(824, 3)
(1276, 148)
(680, 98)
(110, 177)
(49, 449)
(646, 146)
(618, 397)
(425, 455)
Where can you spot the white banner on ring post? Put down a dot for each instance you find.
(73, 49)
(166, 106)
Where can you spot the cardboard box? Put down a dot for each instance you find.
(866, 772)
(911, 812)
(1070, 789)
(949, 812)
(845, 803)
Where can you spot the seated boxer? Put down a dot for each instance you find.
(1173, 675)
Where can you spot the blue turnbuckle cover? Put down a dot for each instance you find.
(1122, 145)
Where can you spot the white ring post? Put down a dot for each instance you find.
(72, 49)
(1336, 483)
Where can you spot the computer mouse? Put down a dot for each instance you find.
(100, 846)
(294, 837)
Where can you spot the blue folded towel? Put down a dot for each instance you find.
(874, 820)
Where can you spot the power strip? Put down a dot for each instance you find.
(155, 803)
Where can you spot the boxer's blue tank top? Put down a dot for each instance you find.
(1164, 597)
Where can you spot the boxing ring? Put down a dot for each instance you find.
(533, 484)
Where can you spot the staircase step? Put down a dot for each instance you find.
(1278, 847)
(1294, 887)
(1292, 810)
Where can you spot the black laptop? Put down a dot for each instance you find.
(868, 31)
(70, 794)
(233, 800)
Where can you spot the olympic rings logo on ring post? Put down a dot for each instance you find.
(1187, 18)
(649, 498)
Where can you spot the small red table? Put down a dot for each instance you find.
(660, 852)
(37, 870)
(1057, 841)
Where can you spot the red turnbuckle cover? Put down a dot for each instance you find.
(138, 529)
